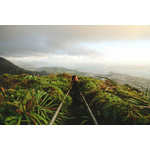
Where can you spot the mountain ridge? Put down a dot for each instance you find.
(7, 66)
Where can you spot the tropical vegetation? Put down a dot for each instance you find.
(32, 100)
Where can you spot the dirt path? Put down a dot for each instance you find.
(78, 114)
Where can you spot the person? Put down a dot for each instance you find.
(75, 93)
(74, 83)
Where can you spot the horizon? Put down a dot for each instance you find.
(133, 71)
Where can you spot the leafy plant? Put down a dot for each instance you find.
(33, 100)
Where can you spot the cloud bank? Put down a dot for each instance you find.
(71, 43)
(63, 40)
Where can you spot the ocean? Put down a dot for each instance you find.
(101, 69)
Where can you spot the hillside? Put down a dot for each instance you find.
(52, 70)
(55, 70)
(137, 82)
(7, 67)
(10, 68)
(27, 99)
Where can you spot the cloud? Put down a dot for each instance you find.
(24, 41)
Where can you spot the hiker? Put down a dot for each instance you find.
(74, 83)
(75, 93)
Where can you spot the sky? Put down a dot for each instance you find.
(76, 46)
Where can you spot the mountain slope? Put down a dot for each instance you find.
(8, 67)
(26, 99)
(124, 79)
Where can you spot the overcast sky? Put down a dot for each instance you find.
(72, 46)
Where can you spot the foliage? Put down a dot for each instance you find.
(115, 104)
(28, 100)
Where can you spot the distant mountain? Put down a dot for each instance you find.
(8, 67)
(52, 70)
(55, 70)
